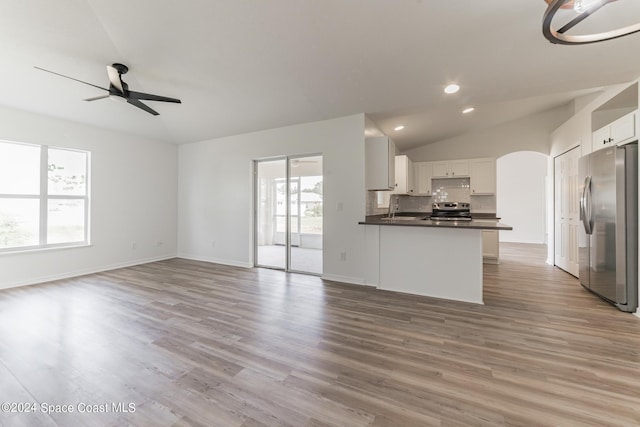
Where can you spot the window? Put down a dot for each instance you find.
(44, 198)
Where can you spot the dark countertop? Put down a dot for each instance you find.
(477, 215)
(483, 222)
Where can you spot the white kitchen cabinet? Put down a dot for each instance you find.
(490, 246)
(404, 182)
(423, 173)
(618, 132)
(451, 169)
(380, 157)
(460, 167)
(602, 138)
(482, 176)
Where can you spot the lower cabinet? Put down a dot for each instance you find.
(490, 246)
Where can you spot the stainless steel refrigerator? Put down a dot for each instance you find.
(608, 238)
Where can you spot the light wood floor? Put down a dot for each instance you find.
(192, 343)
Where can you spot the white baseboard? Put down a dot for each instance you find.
(343, 279)
(82, 272)
(231, 263)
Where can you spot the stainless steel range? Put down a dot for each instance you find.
(451, 211)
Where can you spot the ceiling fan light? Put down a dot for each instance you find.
(117, 98)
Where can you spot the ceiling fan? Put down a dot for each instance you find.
(120, 90)
(584, 9)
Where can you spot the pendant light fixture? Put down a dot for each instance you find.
(584, 9)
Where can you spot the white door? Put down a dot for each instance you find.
(573, 210)
(566, 211)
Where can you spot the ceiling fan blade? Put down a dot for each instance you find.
(584, 15)
(150, 97)
(71, 78)
(95, 98)
(142, 106)
(114, 78)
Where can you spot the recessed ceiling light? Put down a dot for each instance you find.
(468, 110)
(452, 88)
(397, 128)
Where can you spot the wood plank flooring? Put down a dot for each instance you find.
(190, 343)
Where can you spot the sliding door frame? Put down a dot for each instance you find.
(256, 205)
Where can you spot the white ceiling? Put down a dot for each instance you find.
(247, 65)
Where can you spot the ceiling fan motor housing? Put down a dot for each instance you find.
(122, 69)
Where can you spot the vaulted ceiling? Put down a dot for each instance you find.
(245, 65)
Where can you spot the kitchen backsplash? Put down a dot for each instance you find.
(415, 203)
(483, 204)
(450, 190)
(372, 204)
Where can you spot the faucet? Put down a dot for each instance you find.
(393, 209)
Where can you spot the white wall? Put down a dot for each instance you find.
(215, 204)
(521, 185)
(133, 199)
(527, 134)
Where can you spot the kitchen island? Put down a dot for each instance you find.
(441, 259)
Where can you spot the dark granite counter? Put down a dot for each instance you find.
(479, 222)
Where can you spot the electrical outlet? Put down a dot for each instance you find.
(213, 243)
(134, 246)
(340, 206)
(343, 256)
(159, 243)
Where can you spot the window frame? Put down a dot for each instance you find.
(44, 197)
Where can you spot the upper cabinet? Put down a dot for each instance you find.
(614, 122)
(481, 173)
(404, 182)
(483, 176)
(618, 132)
(451, 169)
(380, 155)
(423, 174)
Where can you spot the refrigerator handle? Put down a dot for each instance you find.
(581, 204)
(585, 206)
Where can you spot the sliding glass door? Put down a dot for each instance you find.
(305, 219)
(271, 213)
(288, 217)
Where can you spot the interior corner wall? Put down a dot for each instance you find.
(530, 133)
(370, 128)
(133, 199)
(215, 186)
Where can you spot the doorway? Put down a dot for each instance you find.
(566, 215)
(288, 213)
